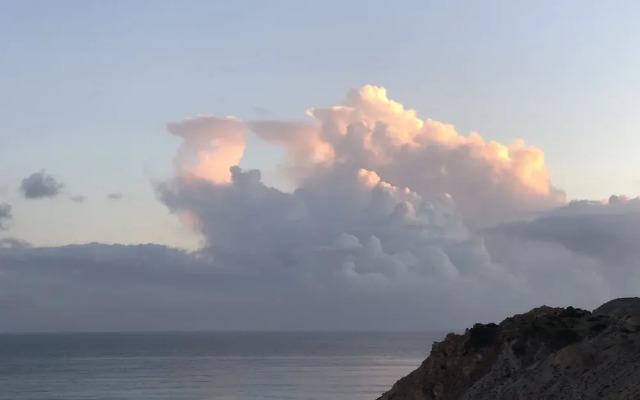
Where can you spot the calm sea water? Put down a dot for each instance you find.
(207, 366)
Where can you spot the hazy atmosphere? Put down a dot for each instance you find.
(355, 165)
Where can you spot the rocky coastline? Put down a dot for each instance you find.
(546, 353)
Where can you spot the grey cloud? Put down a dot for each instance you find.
(374, 257)
(40, 185)
(5, 215)
(115, 196)
(13, 243)
(371, 245)
(78, 199)
(394, 265)
(608, 233)
(101, 287)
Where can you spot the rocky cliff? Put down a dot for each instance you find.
(547, 353)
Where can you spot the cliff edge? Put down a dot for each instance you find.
(546, 353)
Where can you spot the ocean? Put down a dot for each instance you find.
(207, 366)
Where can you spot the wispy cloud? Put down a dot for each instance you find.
(78, 199)
(261, 112)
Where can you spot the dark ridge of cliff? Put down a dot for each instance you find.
(546, 353)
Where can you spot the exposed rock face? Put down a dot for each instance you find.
(547, 353)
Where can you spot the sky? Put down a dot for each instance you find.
(133, 132)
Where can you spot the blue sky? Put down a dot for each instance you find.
(87, 87)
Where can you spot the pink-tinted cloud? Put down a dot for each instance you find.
(210, 146)
(489, 181)
(388, 205)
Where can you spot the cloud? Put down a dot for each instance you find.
(115, 196)
(368, 245)
(489, 181)
(394, 222)
(410, 264)
(40, 185)
(5, 215)
(210, 146)
(102, 287)
(388, 210)
(607, 232)
(78, 198)
(13, 243)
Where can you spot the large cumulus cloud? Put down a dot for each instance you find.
(373, 255)
(394, 222)
(489, 181)
(388, 213)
